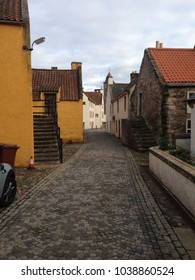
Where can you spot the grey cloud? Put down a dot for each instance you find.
(107, 34)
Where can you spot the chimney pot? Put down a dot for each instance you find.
(161, 45)
(133, 76)
(157, 44)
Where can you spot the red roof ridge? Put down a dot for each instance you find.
(171, 48)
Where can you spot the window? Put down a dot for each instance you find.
(111, 109)
(117, 106)
(189, 94)
(36, 96)
(84, 103)
(188, 126)
(139, 104)
(91, 114)
(125, 103)
(96, 115)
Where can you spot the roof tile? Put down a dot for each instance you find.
(95, 97)
(11, 10)
(49, 80)
(174, 65)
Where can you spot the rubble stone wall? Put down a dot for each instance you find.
(164, 108)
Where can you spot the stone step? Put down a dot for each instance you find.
(44, 129)
(147, 138)
(43, 124)
(139, 133)
(45, 140)
(45, 153)
(46, 159)
(45, 144)
(47, 136)
(141, 136)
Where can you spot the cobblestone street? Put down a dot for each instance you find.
(96, 205)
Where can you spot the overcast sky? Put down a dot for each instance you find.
(107, 34)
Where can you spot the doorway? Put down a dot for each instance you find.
(139, 103)
(119, 129)
(50, 103)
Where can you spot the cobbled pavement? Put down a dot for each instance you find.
(94, 206)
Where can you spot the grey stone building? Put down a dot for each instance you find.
(166, 80)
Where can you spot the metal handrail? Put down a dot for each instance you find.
(50, 110)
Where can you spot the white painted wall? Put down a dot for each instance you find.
(180, 186)
(193, 130)
(108, 104)
(120, 112)
(93, 115)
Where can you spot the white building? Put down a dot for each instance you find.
(120, 108)
(107, 100)
(117, 105)
(117, 100)
(93, 110)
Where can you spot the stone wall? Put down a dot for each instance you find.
(176, 108)
(152, 93)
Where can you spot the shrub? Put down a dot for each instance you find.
(183, 155)
(164, 143)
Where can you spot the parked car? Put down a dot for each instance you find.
(7, 184)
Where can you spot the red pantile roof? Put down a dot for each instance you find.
(174, 65)
(11, 11)
(95, 97)
(51, 80)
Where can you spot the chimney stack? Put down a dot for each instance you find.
(133, 76)
(159, 45)
(76, 65)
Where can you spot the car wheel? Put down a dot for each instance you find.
(9, 192)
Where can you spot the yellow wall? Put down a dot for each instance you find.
(70, 120)
(16, 124)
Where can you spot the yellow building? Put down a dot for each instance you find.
(16, 124)
(64, 89)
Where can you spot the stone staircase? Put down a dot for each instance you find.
(45, 140)
(140, 136)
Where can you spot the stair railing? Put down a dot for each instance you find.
(52, 111)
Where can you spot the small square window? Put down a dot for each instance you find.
(188, 126)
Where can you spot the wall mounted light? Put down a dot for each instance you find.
(37, 42)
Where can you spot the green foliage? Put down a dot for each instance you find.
(183, 155)
(177, 152)
(164, 143)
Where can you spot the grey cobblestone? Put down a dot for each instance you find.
(94, 206)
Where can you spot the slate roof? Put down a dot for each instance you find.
(11, 11)
(51, 80)
(174, 65)
(95, 97)
(118, 89)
